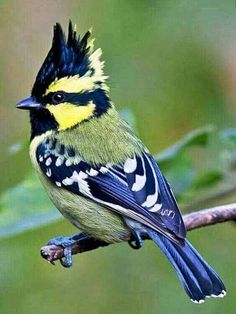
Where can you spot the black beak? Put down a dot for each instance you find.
(29, 103)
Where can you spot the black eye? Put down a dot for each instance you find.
(58, 97)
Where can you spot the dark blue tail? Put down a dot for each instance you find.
(197, 277)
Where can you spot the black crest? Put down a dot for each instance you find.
(67, 57)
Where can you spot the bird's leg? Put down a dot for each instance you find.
(66, 243)
(137, 232)
(81, 240)
(137, 242)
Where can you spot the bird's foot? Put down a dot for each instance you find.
(66, 243)
(137, 243)
(77, 243)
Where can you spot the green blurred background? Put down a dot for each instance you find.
(173, 63)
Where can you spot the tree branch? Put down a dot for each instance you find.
(211, 216)
(192, 221)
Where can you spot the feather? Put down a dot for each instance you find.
(197, 277)
(110, 187)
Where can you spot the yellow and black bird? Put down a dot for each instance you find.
(96, 171)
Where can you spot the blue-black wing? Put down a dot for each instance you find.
(136, 189)
(152, 192)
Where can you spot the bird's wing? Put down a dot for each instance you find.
(153, 193)
(136, 189)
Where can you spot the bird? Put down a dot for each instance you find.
(95, 169)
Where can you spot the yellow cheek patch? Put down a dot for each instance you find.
(74, 84)
(68, 115)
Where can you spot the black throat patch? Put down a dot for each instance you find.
(41, 122)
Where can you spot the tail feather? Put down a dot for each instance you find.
(217, 285)
(197, 277)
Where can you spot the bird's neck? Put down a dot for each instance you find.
(104, 139)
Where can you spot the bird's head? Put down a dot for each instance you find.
(70, 86)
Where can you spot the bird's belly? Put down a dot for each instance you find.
(92, 218)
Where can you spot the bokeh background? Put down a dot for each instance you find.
(173, 64)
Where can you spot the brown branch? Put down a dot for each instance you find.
(192, 221)
(211, 216)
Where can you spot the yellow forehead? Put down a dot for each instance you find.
(73, 84)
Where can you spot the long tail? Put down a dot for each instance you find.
(197, 277)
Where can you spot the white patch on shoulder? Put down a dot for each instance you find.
(139, 183)
(59, 162)
(130, 165)
(46, 154)
(155, 208)
(68, 162)
(34, 146)
(48, 161)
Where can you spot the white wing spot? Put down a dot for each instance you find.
(82, 183)
(40, 158)
(139, 183)
(49, 172)
(92, 172)
(155, 208)
(59, 161)
(130, 165)
(58, 183)
(80, 179)
(48, 161)
(150, 200)
(103, 170)
(68, 162)
(67, 181)
(82, 174)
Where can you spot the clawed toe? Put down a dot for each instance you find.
(66, 261)
(66, 243)
(138, 241)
